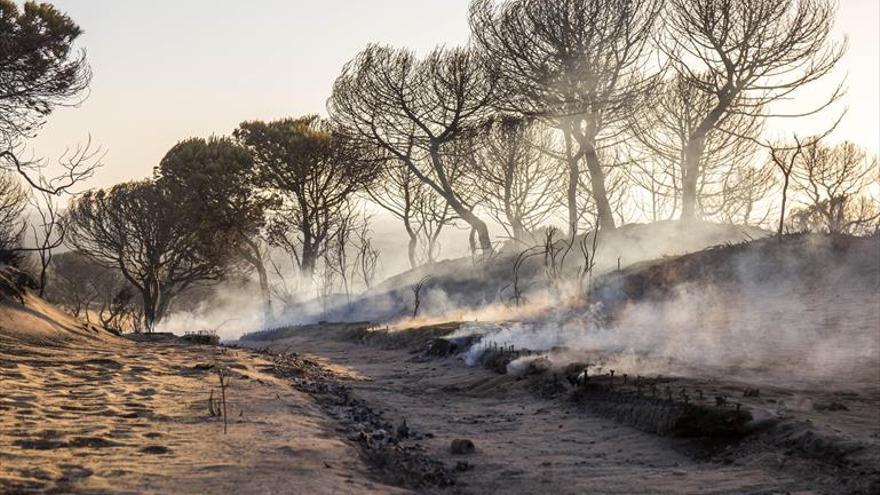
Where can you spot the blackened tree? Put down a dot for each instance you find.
(422, 211)
(213, 181)
(663, 130)
(313, 171)
(834, 184)
(140, 229)
(418, 111)
(39, 70)
(514, 177)
(745, 56)
(579, 64)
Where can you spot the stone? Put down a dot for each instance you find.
(462, 446)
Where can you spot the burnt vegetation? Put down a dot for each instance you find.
(584, 197)
(589, 114)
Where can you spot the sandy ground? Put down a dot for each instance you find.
(119, 417)
(82, 411)
(529, 444)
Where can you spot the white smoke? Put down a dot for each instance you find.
(229, 311)
(783, 330)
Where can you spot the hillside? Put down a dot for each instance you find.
(27, 319)
(459, 286)
(807, 306)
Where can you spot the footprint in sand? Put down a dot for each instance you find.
(100, 363)
(40, 444)
(73, 472)
(156, 450)
(36, 473)
(145, 392)
(94, 443)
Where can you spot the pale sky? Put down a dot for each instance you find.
(165, 70)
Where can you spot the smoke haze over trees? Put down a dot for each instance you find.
(584, 114)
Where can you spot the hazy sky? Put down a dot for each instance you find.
(165, 70)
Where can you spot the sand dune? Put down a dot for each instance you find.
(84, 411)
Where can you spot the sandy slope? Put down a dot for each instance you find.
(34, 321)
(82, 411)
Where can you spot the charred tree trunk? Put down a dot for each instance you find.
(690, 178)
(44, 270)
(150, 308)
(571, 196)
(309, 258)
(264, 291)
(693, 155)
(446, 190)
(472, 241)
(479, 228)
(413, 244)
(253, 255)
(785, 181)
(600, 194)
(517, 227)
(571, 189)
(586, 140)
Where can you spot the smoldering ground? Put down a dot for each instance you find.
(462, 288)
(805, 310)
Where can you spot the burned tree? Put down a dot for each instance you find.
(654, 178)
(48, 230)
(40, 70)
(139, 229)
(339, 251)
(434, 215)
(313, 171)
(833, 183)
(555, 252)
(118, 304)
(73, 286)
(214, 182)
(366, 255)
(350, 254)
(91, 291)
(616, 189)
(663, 128)
(13, 201)
(417, 294)
(324, 280)
(589, 247)
(785, 158)
(519, 261)
(512, 175)
(418, 111)
(743, 192)
(745, 56)
(423, 212)
(579, 64)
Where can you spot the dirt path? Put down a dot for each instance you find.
(133, 418)
(527, 444)
(119, 417)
